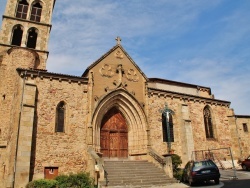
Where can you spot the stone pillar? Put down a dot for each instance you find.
(187, 135)
(22, 171)
(90, 135)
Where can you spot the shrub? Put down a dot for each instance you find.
(80, 180)
(42, 183)
(176, 162)
(178, 173)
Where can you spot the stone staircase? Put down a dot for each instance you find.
(128, 173)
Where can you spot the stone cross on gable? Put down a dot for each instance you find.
(118, 39)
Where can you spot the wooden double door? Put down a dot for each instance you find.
(114, 135)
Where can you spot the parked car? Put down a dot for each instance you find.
(200, 171)
(246, 163)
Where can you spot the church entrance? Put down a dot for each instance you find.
(114, 135)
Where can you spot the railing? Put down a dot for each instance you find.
(105, 176)
(156, 156)
(163, 162)
(99, 162)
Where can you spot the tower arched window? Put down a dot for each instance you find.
(36, 12)
(32, 38)
(60, 117)
(167, 128)
(17, 35)
(208, 122)
(22, 9)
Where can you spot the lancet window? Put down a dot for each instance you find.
(17, 35)
(32, 38)
(208, 122)
(167, 128)
(60, 117)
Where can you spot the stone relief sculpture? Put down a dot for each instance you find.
(107, 71)
(119, 54)
(132, 75)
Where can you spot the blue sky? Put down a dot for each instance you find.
(202, 42)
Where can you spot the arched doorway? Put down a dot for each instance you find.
(114, 134)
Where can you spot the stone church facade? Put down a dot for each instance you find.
(53, 123)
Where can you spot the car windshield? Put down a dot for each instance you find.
(202, 164)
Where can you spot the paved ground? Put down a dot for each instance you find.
(227, 180)
(174, 185)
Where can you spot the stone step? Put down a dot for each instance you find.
(126, 173)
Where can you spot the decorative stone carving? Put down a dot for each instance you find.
(119, 54)
(107, 71)
(96, 98)
(132, 75)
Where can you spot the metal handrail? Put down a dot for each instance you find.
(105, 176)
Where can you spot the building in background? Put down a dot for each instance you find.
(54, 123)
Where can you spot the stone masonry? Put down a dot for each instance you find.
(29, 97)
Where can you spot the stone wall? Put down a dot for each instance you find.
(240, 137)
(189, 130)
(66, 150)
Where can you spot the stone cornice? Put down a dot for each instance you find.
(186, 97)
(29, 21)
(11, 46)
(43, 74)
(242, 116)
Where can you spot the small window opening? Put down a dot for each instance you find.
(36, 12)
(17, 36)
(22, 9)
(245, 128)
(4, 97)
(32, 38)
(50, 172)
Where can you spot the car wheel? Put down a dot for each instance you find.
(217, 181)
(244, 167)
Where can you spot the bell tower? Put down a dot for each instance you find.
(27, 24)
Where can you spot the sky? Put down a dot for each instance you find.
(201, 42)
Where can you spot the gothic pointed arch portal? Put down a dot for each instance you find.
(119, 116)
(114, 135)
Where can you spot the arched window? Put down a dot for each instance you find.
(17, 35)
(32, 38)
(167, 128)
(208, 122)
(36, 12)
(22, 9)
(60, 117)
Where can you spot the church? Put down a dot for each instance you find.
(53, 123)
